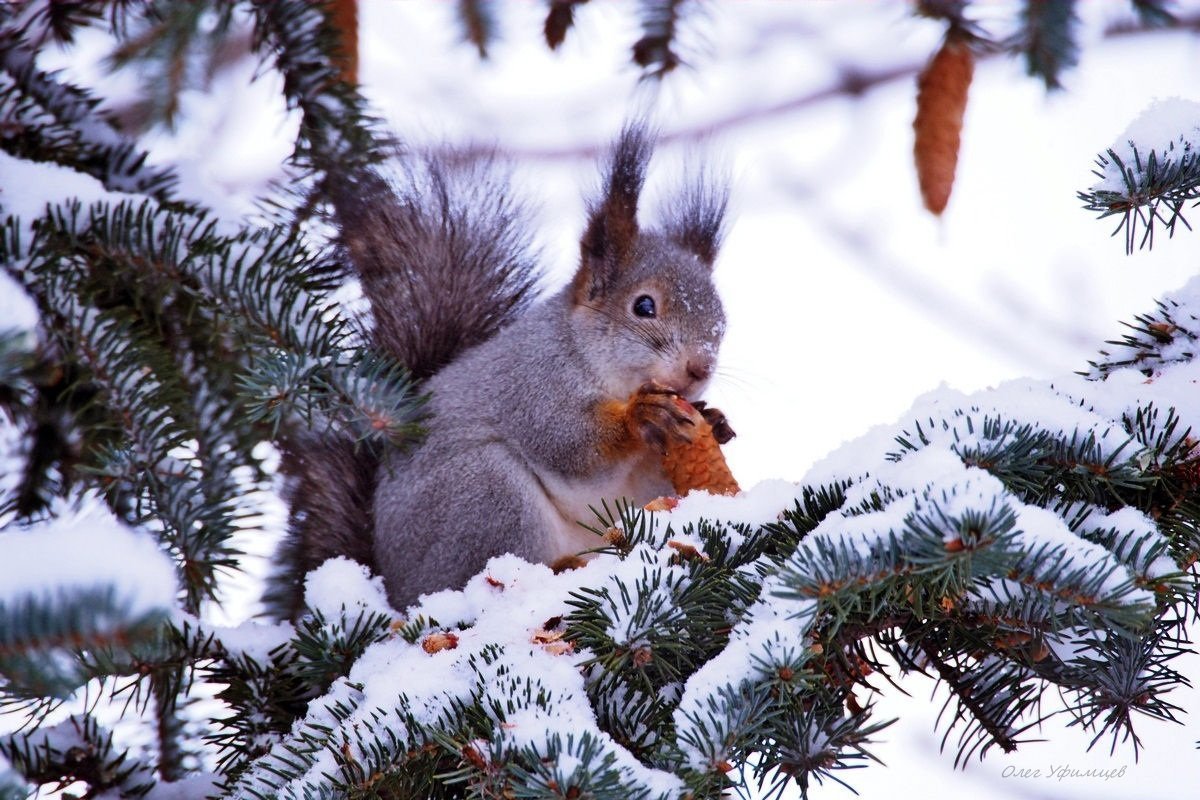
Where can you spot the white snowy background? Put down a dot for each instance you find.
(846, 301)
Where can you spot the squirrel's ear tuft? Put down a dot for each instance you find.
(694, 218)
(612, 218)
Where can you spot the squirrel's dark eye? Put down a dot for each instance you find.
(644, 306)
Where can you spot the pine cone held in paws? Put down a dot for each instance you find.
(699, 464)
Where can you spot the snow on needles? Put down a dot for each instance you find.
(497, 643)
(28, 188)
(86, 548)
(1168, 128)
(402, 686)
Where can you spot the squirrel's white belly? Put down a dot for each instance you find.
(570, 503)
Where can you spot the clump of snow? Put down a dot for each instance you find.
(1166, 123)
(85, 548)
(16, 307)
(252, 639)
(1168, 127)
(756, 506)
(1041, 527)
(852, 460)
(1134, 538)
(41, 184)
(340, 584)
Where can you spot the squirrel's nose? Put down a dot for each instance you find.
(699, 370)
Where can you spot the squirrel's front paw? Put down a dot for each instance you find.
(661, 416)
(722, 431)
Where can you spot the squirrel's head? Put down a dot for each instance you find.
(645, 300)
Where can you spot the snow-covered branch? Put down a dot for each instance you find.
(1036, 534)
(1150, 173)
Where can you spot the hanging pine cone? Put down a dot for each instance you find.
(941, 101)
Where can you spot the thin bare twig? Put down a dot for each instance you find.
(851, 82)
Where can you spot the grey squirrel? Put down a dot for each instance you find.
(537, 411)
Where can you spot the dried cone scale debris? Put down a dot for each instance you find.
(941, 102)
(698, 464)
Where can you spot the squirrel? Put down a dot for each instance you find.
(537, 411)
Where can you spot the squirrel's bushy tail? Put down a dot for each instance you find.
(330, 486)
(443, 256)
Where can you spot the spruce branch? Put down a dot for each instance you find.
(559, 21)
(337, 135)
(177, 45)
(813, 742)
(980, 704)
(183, 277)
(41, 21)
(37, 400)
(478, 22)
(1048, 39)
(1155, 13)
(134, 374)
(146, 391)
(1169, 334)
(43, 119)
(726, 729)
(265, 696)
(169, 729)
(17, 365)
(77, 749)
(325, 649)
(1112, 678)
(573, 766)
(43, 635)
(1147, 189)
